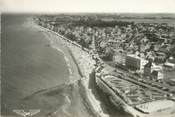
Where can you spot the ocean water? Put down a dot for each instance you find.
(28, 63)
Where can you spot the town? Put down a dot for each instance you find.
(140, 54)
(147, 49)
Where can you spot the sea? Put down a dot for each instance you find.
(28, 63)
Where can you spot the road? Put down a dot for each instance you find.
(153, 85)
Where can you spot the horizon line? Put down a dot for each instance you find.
(65, 12)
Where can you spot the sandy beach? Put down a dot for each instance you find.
(85, 64)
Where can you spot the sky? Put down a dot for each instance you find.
(109, 6)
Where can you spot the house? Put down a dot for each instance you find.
(153, 71)
(157, 75)
(170, 63)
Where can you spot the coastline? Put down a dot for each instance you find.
(78, 55)
(59, 45)
(84, 72)
(30, 66)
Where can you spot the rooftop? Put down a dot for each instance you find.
(135, 56)
(172, 60)
(156, 106)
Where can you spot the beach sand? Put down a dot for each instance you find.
(64, 100)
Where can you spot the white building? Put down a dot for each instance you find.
(134, 62)
(157, 67)
(170, 63)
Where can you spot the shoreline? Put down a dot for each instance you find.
(65, 58)
(30, 66)
(83, 71)
(58, 44)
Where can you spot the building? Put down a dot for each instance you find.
(119, 58)
(160, 57)
(157, 75)
(147, 69)
(153, 71)
(134, 62)
(170, 63)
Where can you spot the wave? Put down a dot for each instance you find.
(54, 46)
